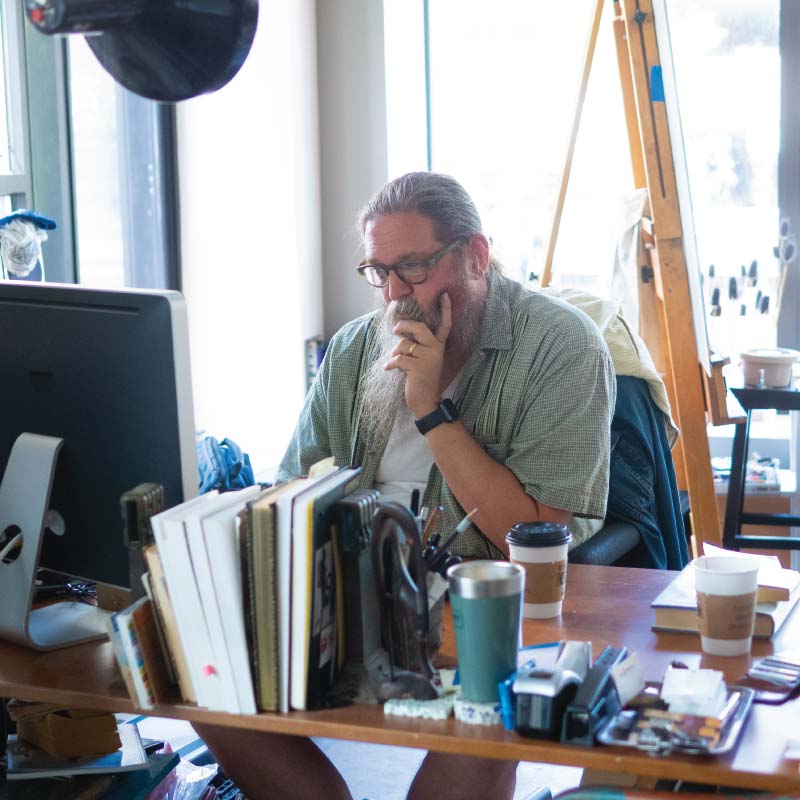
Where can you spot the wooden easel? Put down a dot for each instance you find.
(693, 379)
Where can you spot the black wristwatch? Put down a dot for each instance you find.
(446, 411)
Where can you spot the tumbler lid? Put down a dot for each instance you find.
(486, 579)
(538, 534)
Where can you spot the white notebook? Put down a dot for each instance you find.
(213, 524)
(170, 535)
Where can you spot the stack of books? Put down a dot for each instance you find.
(244, 608)
(778, 591)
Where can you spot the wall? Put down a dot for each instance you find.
(249, 184)
(353, 156)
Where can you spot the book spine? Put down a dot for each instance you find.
(249, 599)
(219, 662)
(273, 643)
(121, 656)
(144, 624)
(167, 614)
(169, 664)
(141, 680)
(265, 608)
(191, 627)
(302, 577)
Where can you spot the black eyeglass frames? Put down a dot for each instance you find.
(410, 272)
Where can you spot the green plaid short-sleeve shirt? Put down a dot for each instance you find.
(537, 395)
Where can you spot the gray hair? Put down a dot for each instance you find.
(440, 198)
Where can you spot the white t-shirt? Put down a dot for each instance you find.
(407, 460)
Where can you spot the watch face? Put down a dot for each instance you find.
(446, 412)
(450, 409)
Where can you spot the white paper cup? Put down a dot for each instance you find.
(726, 602)
(541, 548)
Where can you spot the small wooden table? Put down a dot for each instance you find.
(605, 605)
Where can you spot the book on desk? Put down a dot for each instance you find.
(247, 589)
(778, 592)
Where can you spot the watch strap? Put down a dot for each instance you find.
(446, 411)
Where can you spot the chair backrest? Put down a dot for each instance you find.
(644, 521)
(643, 490)
(644, 525)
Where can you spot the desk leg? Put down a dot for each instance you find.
(736, 486)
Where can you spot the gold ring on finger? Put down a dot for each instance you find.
(412, 348)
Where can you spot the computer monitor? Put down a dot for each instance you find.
(108, 372)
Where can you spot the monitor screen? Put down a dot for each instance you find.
(108, 372)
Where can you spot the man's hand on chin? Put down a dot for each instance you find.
(420, 355)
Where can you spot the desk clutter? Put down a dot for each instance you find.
(315, 594)
(73, 754)
(559, 692)
(606, 701)
(305, 595)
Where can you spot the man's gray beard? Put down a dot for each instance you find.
(383, 395)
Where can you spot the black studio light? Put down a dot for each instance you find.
(165, 50)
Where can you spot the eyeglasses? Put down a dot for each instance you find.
(410, 272)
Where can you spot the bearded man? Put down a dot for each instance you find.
(467, 387)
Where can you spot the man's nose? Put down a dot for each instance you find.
(396, 289)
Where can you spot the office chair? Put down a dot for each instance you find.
(644, 520)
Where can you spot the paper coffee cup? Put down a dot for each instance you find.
(726, 603)
(541, 549)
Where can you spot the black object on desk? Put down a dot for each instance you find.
(751, 399)
(137, 506)
(596, 700)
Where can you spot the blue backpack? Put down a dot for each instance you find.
(222, 465)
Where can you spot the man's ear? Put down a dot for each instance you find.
(478, 246)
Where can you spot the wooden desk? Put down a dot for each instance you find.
(607, 605)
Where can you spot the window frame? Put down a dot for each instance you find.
(789, 164)
(16, 185)
(38, 87)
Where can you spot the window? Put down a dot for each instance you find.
(14, 178)
(77, 147)
(5, 115)
(728, 72)
(125, 192)
(96, 160)
(486, 92)
(502, 83)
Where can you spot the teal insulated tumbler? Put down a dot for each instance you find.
(486, 599)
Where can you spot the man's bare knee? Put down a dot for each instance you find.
(271, 765)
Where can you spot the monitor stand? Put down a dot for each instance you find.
(24, 501)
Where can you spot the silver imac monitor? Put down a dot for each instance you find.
(108, 373)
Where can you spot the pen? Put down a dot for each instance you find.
(441, 552)
(430, 526)
(415, 502)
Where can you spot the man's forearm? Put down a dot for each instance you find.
(478, 481)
